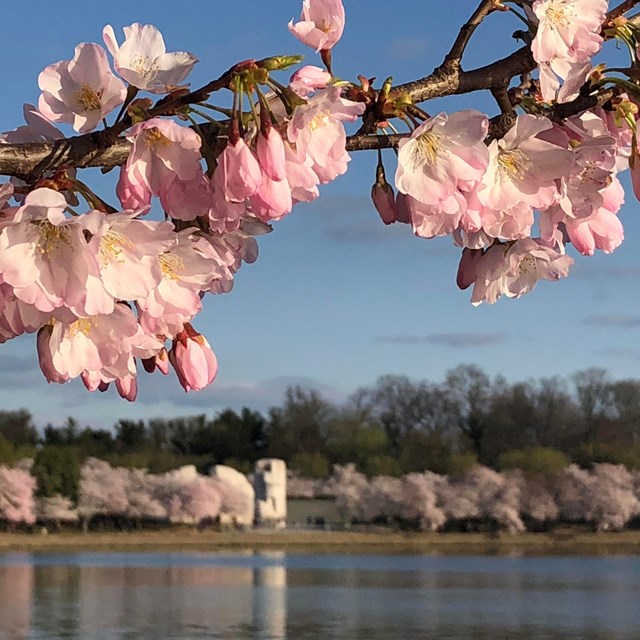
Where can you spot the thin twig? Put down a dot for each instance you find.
(620, 10)
(454, 57)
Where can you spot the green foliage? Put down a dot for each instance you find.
(612, 452)
(349, 439)
(381, 465)
(460, 463)
(57, 470)
(17, 427)
(10, 453)
(310, 465)
(422, 451)
(534, 460)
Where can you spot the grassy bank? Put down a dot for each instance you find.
(627, 542)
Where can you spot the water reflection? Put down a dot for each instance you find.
(279, 596)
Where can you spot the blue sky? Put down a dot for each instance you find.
(336, 299)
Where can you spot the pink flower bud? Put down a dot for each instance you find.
(634, 169)
(128, 388)
(467, 267)
(193, 359)
(160, 361)
(240, 171)
(384, 201)
(270, 152)
(91, 379)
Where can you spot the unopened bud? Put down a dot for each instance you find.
(279, 63)
(383, 197)
(138, 110)
(467, 269)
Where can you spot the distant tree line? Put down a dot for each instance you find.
(394, 427)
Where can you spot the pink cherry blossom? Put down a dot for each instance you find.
(92, 344)
(165, 161)
(574, 74)
(602, 229)
(273, 199)
(444, 154)
(567, 37)
(143, 61)
(309, 79)
(186, 271)
(303, 180)
(317, 131)
(321, 23)
(467, 268)
(514, 269)
(17, 317)
(127, 388)
(128, 251)
(224, 215)
(81, 91)
(45, 257)
(440, 219)
(187, 199)
(524, 166)
(567, 29)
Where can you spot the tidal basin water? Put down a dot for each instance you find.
(275, 595)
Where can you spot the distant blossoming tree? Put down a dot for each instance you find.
(17, 501)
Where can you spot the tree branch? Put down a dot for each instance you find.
(620, 10)
(454, 57)
(105, 149)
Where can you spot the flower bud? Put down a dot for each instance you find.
(383, 197)
(278, 63)
(467, 267)
(193, 359)
(384, 201)
(128, 388)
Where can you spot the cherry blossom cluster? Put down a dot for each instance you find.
(514, 203)
(105, 287)
(111, 288)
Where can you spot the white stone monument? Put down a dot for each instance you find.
(270, 485)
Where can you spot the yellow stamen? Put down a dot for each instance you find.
(170, 264)
(81, 325)
(112, 245)
(88, 98)
(155, 138)
(50, 237)
(512, 164)
(528, 263)
(425, 149)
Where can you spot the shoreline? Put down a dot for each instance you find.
(375, 542)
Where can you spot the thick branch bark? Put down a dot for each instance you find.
(101, 149)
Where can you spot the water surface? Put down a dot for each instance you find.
(274, 595)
